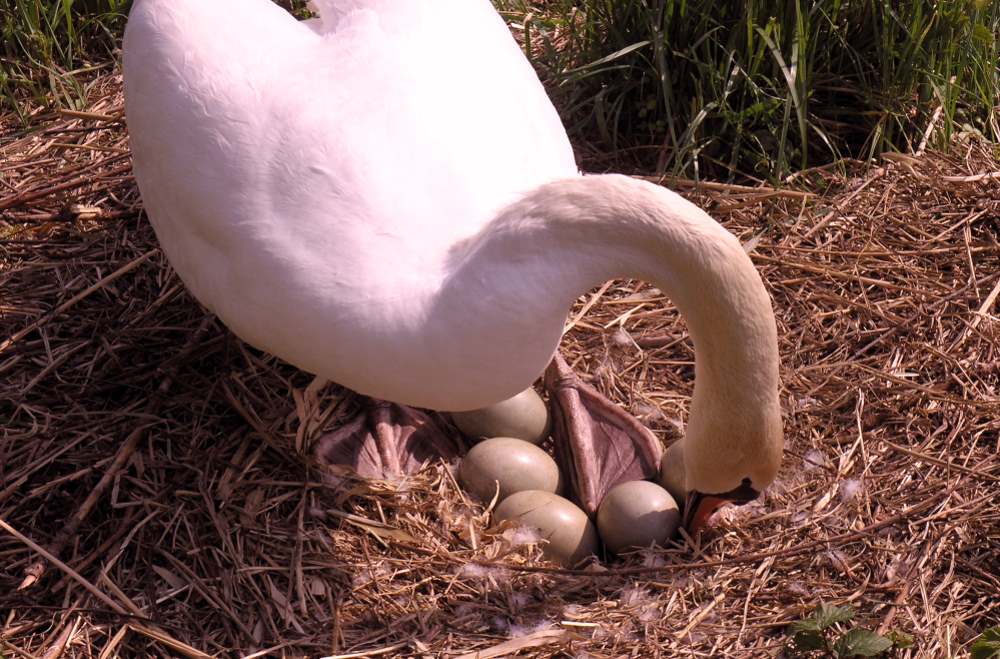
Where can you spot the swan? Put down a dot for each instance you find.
(385, 196)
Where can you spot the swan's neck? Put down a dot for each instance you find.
(567, 236)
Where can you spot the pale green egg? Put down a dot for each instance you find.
(524, 416)
(637, 514)
(569, 533)
(512, 464)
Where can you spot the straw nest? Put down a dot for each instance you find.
(158, 495)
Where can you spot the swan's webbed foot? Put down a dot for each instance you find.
(598, 445)
(387, 441)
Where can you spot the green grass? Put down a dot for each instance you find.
(733, 89)
(763, 87)
(49, 49)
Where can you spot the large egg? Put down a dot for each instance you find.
(571, 536)
(672, 472)
(513, 463)
(524, 416)
(637, 514)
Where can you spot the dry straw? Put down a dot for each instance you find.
(158, 498)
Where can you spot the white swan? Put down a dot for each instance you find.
(387, 198)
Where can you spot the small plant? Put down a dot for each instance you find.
(822, 632)
(987, 646)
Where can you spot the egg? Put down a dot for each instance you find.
(637, 514)
(570, 534)
(525, 416)
(672, 472)
(515, 464)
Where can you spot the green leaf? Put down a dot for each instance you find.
(827, 615)
(900, 639)
(861, 643)
(987, 646)
(809, 639)
(804, 625)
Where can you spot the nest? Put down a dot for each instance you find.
(158, 495)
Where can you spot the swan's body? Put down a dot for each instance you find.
(388, 199)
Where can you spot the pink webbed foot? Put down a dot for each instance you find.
(388, 441)
(598, 445)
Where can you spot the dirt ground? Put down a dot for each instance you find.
(158, 494)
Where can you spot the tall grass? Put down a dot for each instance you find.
(756, 88)
(47, 48)
(50, 49)
(763, 87)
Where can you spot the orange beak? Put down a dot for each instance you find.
(699, 507)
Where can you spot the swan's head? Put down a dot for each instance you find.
(716, 465)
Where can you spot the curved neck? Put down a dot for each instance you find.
(571, 235)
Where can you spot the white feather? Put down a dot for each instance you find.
(387, 198)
